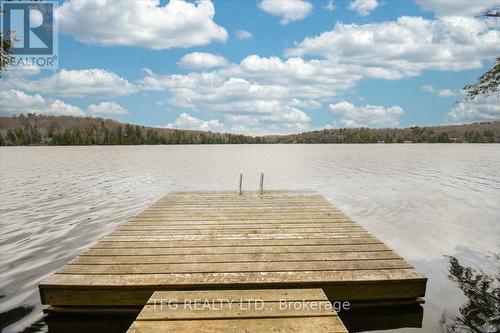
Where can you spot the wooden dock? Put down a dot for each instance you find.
(226, 241)
(282, 310)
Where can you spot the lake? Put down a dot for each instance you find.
(424, 201)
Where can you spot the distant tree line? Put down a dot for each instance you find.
(32, 129)
(473, 133)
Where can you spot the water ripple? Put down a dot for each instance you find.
(422, 200)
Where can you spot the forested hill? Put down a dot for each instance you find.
(486, 132)
(34, 129)
(65, 130)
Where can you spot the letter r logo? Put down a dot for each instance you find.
(31, 25)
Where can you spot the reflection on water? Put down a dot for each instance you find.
(365, 318)
(380, 317)
(13, 315)
(481, 313)
(112, 323)
(424, 201)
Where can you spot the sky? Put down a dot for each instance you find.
(264, 66)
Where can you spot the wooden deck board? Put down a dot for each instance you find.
(343, 242)
(220, 240)
(238, 311)
(107, 259)
(234, 267)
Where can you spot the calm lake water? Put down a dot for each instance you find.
(425, 201)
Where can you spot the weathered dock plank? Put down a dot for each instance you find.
(238, 311)
(229, 257)
(221, 240)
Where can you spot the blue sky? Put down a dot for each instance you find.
(265, 66)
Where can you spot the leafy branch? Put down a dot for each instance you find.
(482, 311)
(486, 84)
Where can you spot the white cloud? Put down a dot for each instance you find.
(311, 79)
(276, 93)
(446, 93)
(76, 83)
(457, 7)
(178, 24)
(428, 88)
(363, 7)
(258, 91)
(330, 5)
(366, 116)
(294, 82)
(243, 34)
(306, 104)
(185, 121)
(440, 93)
(289, 116)
(485, 108)
(288, 10)
(241, 120)
(197, 60)
(17, 102)
(22, 72)
(257, 78)
(106, 108)
(261, 111)
(405, 47)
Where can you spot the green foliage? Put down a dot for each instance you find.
(486, 84)
(482, 311)
(475, 136)
(43, 130)
(442, 134)
(32, 129)
(5, 49)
